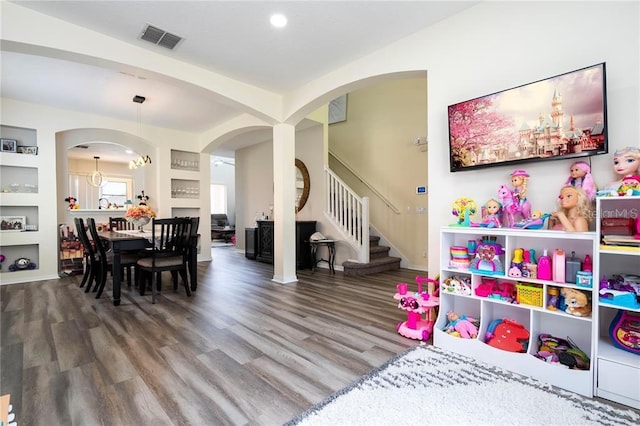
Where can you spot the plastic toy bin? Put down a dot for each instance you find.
(529, 294)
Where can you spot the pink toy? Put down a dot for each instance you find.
(462, 325)
(513, 206)
(416, 304)
(580, 175)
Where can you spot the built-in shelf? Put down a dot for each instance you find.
(183, 188)
(185, 160)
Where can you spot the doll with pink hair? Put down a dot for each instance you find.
(580, 175)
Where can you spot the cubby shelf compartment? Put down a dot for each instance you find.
(182, 188)
(536, 319)
(185, 160)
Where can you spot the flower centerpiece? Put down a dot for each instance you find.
(140, 215)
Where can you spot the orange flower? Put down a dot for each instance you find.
(138, 212)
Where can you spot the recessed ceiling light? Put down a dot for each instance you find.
(128, 151)
(278, 20)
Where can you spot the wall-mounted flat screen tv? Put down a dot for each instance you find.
(556, 118)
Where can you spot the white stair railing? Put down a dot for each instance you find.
(349, 212)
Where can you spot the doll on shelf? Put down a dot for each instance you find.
(626, 162)
(492, 214)
(630, 185)
(574, 213)
(519, 180)
(580, 175)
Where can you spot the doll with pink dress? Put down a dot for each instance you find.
(580, 175)
(492, 214)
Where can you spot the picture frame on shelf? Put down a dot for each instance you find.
(8, 145)
(33, 150)
(13, 223)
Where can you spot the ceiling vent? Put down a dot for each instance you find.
(160, 37)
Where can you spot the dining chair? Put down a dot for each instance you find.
(171, 239)
(193, 246)
(128, 261)
(120, 224)
(91, 267)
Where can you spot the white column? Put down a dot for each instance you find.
(284, 196)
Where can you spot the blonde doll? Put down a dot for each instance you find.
(492, 214)
(574, 213)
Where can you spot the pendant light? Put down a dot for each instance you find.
(96, 179)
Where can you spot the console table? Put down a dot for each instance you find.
(304, 230)
(331, 247)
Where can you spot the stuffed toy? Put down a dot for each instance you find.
(465, 328)
(72, 203)
(577, 303)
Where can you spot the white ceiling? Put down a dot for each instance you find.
(230, 38)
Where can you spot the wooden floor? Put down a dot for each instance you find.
(242, 350)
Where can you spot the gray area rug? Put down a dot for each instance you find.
(431, 386)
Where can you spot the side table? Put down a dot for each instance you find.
(331, 247)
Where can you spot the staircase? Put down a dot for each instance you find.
(379, 261)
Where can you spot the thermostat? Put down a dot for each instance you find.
(421, 189)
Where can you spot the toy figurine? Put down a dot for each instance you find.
(463, 209)
(72, 203)
(574, 214)
(580, 175)
(492, 214)
(512, 207)
(519, 180)
(626, 161)
(630, 185)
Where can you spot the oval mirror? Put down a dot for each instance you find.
(302, 184)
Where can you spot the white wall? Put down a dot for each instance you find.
(498, 45)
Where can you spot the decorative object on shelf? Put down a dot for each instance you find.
(72, 202)
(140, 215)
(96, 179)
(463, 209)
(529, 294)
(416, 304)
(2, 258)
(625, 331)
(622, 290)
(22, 263)
(553, 298)
(12, 223)
(32, 150)
(576, 301)
(143, 199)
(9, 145)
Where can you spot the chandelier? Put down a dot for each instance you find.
(96, 179)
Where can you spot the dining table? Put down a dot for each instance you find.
(133, 240)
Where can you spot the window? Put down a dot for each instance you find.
(218, 198)
(116, 190)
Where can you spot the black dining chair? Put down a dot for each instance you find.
(105, 257)
(120, 224)
(171, 241)
(91, 267)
